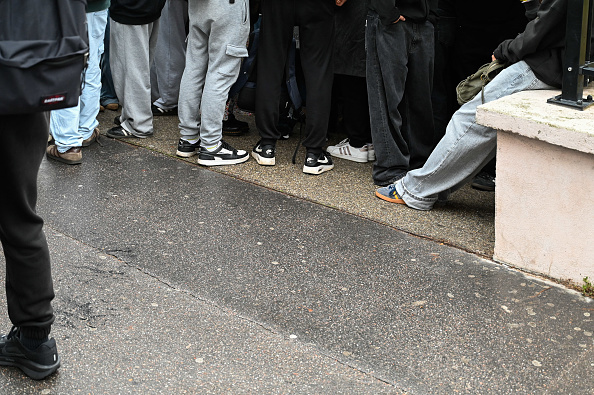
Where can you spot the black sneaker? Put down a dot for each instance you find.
(37, 364)
(224, 155)
(264, 154)
(483, 181)
(157, 111)
(234, 127)
(317, 163)
(185, 149)
(118, 132)
(117, 120)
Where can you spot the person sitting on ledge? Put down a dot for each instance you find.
(535, 57)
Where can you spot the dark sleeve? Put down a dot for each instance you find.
(540, 33)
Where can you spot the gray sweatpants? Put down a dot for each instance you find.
(216, 44)
(170, 54)
(132, 48)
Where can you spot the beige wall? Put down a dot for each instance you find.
(544, 219)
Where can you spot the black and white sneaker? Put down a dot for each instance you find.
(157, 111)
(118, 132)
(264, 154)
(224, 155)
(317, 163)
(185, 149)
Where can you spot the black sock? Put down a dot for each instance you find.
(33, 337)
(30, 343)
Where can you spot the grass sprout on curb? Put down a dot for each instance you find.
(588, 287)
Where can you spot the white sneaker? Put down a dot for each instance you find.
(346, 151)
(370, 152)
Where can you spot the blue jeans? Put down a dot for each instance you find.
(399, 82)
(466, 146)
(70, 126)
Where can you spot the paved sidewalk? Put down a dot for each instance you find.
(173, 278)
(467, 221)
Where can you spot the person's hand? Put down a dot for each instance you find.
(340, 2)
(399, 19)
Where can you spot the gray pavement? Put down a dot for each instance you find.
(466, 222)
(173, 278)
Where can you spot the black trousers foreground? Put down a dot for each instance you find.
(29, 287)
(315, 19)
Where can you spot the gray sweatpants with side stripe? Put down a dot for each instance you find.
(216, 43)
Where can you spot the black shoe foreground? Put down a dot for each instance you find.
(317, 163)
(37, 364)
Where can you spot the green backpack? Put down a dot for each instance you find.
(471, 86)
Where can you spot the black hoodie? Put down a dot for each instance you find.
(415, 10)
(542, 44)
(135, 12)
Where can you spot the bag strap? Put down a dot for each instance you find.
(495, 65)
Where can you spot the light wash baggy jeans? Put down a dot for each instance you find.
(466, 146)
(217, 41)
(70, 126)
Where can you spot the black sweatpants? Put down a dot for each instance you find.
(352, 91)
(315, 19)
(29, 287)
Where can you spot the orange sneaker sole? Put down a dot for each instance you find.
(388, 199)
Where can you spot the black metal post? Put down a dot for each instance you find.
(577, 55)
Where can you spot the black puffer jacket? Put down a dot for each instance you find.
(415, 10)
(135, 12)
(542, 44)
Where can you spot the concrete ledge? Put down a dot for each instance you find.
(544, 203)
(528, 114)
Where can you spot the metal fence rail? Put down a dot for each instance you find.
(579, 70)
